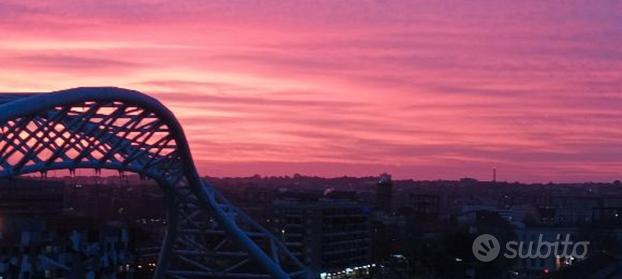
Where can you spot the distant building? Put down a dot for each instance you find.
(574, 210)
(387, 232)
(326, 234)
(538, 267)
(384, 193)
(425, 207)
(31, 197)
(63, 248)
(607, 217)
(44, 231)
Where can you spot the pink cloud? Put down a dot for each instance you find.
(421, 89)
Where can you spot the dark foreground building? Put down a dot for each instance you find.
(329, 235)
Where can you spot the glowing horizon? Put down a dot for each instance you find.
(422, 90)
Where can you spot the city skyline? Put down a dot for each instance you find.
(420, 90)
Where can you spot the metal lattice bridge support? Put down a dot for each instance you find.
(124, 130)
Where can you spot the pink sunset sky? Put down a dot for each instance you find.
(420, 89)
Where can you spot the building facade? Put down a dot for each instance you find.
(327, 235)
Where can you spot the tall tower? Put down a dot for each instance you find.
(384, 193)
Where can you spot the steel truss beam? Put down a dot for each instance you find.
(124, 130)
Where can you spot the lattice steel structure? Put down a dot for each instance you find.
(124, 130)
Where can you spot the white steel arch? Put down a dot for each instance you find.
(125, 130)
